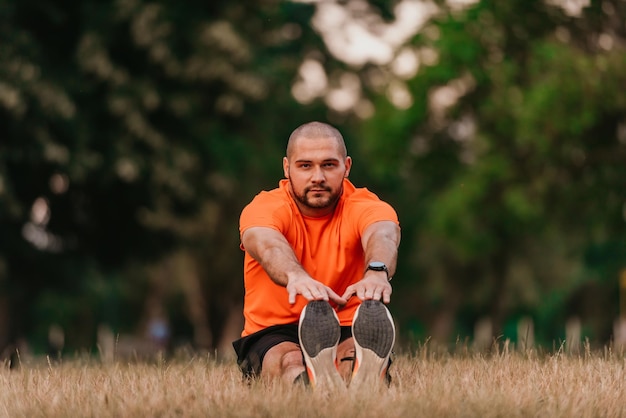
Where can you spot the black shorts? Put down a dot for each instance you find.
(252, 348)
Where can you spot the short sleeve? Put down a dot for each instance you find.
(366, 208)
(267, 210)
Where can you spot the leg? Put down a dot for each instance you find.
(283, 361)
(345, 358)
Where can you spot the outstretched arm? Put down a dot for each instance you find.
(270, 248)
(380, 243)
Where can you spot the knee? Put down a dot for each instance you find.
(291, 360)
(283, 360)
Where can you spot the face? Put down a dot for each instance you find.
(316, 169)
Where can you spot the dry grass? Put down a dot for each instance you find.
(426, 383)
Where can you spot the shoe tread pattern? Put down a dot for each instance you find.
(319, 328)
(373, 329)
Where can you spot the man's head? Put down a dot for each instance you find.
(315, 165)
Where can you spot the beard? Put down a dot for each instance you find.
(317, 202)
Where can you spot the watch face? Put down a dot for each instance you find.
(377, 265)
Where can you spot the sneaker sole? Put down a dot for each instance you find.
(319, 332)
(374, 335)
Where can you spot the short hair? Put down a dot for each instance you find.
(316, 130)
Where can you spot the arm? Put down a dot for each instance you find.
(380, 243)
(270, 248)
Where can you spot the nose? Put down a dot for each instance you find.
(318, 175)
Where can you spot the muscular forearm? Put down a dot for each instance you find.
(380, 243)
(273, 253)
(279, 264)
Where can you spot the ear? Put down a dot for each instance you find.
(286, 167)
(348, 164)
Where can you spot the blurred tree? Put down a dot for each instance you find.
(132, 131)
(512, 160)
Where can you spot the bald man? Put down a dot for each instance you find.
(319, 257)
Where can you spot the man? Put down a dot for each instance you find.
(319, 254)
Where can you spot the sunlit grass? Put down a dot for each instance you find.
(425, 383)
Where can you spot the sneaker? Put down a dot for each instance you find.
(319, 332)
(374, 335)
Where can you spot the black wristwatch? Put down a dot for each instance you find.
(378, 266)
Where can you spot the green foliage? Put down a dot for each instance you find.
(141, 128)
(133, 132)
(540, 166)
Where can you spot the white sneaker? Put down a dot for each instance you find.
(374, 335)
(319, 332)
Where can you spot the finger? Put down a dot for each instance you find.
(307, 294)
(387, 295)
(380, 292)
(292, 297)
(339, 300)
(320, 294)
(348, 293)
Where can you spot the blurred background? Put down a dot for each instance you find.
(133, 132)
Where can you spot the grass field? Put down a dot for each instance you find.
(425, 384)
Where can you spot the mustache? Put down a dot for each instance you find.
(316, 188)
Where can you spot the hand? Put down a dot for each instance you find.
(373, 286)
(311, 289)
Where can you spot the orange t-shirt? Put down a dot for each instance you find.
(329, 249)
